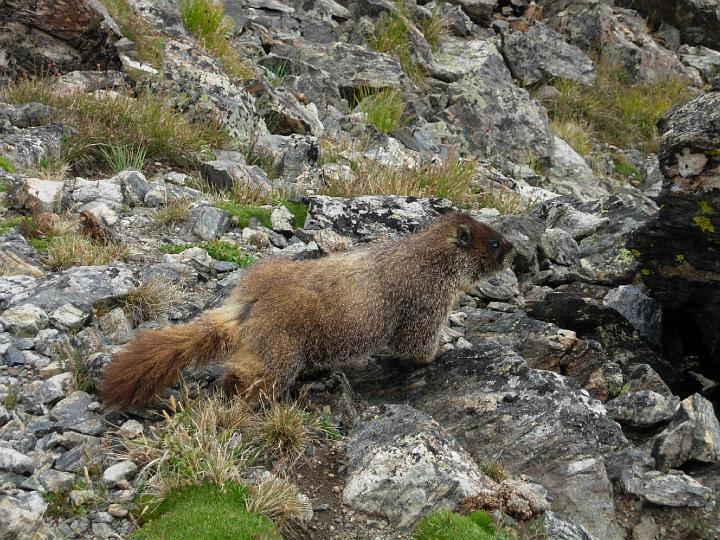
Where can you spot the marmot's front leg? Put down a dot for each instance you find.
(417, 346)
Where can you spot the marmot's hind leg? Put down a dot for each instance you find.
(248, 376)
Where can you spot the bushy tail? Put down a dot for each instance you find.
(154, 358)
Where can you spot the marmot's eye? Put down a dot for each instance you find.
(493, 244)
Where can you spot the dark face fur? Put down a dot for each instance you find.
(483, 250)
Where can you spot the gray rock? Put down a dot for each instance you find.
(49, 481)
(706, 61)
(33, 192)
(369, 217)
(282, 220)
(500, 286)
(116, 326)
(558, 528)
(24, 320)
(119, 472)
(15, 462)
(26, 147)
(642, 409)
(569, 174)
(538, 421)
(204, 90)
(640, 310)
(560, 247)
(24, 115)
(402, 465)
(486, 109)
(673, 489)
(133, 186)
(49, 391)
(21, 515)
(72, 414)
(161, 193)
(208, 222)
(284, 114)
(480, 11)
(292, 154)
(86, 191)
(577, 224)
(4, 415)
(541, 54)
(693, 434)
(224, 174)
(82, 286)
(68, 318)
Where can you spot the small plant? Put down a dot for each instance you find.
(205, 19)
(206, 511)
(148, 41)
(298, 209)
(173, 212)
(25, 90)
(49, 169)
(6, 165)
(444, 525)
(616, 111)
(435, 28)
(123, 158)
(174, 249)
(283, 429)
(225, 251)
(494, 470)
(10, 401)
(278, 500)
(75, 250)
(73, 360)
(150, 299)
(624, 169)
(276, 74)
(383, 110)
(244, 213)
(11, 223)
(574, 132)
(391, 36)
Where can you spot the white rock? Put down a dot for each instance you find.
(119, 472)
(68, 318)
(24, 320)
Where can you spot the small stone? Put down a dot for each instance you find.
(73, 414)
(282, 220)
(49, 481)
(119, 472)
(642, 409)
(116, 326)
(80, 496)
(15, 462)
(130, 429)
(24, 320)
(68, 318)
(117, 511)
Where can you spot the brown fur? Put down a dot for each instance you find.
(285, 317)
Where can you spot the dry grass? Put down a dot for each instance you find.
(616, 111)
(149, 300)
(49, 169)
(75, 250)
(124, 122)
(147, 39)
(577, 133)
(435, 28)
(175, 211)
(283, 429)
(278, 500)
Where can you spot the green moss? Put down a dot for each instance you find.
(299, 210)
(7, 224)
(40, 244)
(443, 525)
(680, 258)
(225, 251)
(635, 252)
(244, 213)
(646, 272)
(6, 165)
(705, 207)
(625, 169)
(207, 512)
(625, 256)
(174, 249)
(704, 224)
(10, 401)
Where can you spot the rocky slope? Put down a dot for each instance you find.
(588, 372)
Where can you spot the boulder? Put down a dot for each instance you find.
(485, 109)
(403, 465)
(677, 250)
(47, 36)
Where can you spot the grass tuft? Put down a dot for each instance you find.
(616, 111)
(392, 36)
(494, 470)
(279, 500)
(244, 213)
(6, 165)
(148, 41)
(435, 28)
(283, 429)
(383, 110)
(175, 211)
(149, 300)
(576, 133)
(206, 20)
(74, 249)
(123, 158)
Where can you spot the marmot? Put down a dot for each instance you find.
(285, 317)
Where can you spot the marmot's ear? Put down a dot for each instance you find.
(463, 236)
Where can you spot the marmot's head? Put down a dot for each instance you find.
(477, 249)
